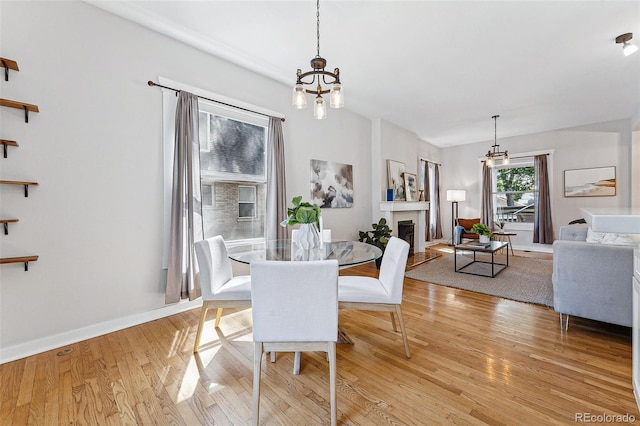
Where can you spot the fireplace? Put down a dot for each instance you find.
(405, 232)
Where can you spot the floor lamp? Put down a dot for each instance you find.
(455, 195)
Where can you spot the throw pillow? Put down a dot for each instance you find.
(594, 237)
(612, 238)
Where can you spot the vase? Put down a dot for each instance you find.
(484, 239)
(307, 236)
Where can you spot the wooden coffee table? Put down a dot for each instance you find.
(483, 268)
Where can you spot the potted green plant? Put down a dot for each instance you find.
(307, 216)
(378, 236)
(483, 231)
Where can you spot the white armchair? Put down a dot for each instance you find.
(382, 294)
(220, 289)
(295, 308)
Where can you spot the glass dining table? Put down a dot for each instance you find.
(347, 253)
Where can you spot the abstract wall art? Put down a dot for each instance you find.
(331, 184)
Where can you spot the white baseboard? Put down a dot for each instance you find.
(48, 343)
(540, 248)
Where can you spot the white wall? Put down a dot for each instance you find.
(598, 145)
(96, 149)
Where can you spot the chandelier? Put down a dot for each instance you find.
(627, 47)
(318, 77)
(496, 154)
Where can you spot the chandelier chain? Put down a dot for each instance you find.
(318, 25)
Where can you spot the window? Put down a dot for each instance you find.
(246, 202)
(514, 191)
(207, 195)
(233, 172)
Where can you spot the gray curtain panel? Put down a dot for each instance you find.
(186, 204)
(427, 197)
(486, 215)
(276, 182)
(542, 224)
(437, 202)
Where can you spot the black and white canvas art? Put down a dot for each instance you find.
(395, 176)
(331, 184)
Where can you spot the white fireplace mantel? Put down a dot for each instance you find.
(420, 207)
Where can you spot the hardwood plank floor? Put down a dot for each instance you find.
(476, 360)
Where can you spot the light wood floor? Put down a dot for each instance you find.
(475, 360)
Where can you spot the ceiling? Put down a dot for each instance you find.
(441, 69)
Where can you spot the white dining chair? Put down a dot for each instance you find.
(220, 289)
(383, 293)
(294, 308)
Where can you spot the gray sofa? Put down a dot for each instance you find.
(591, 280)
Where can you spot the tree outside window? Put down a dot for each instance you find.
(514, 193)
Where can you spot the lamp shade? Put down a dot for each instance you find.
(320, 110)
(456, 194)
(629, 49)
(299, 100)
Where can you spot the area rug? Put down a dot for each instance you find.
(525, 280)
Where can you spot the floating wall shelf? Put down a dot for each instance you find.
(20, 259)
(5, 223)
(18, 182)
(8, 64)
(5, 143)
(20, 105)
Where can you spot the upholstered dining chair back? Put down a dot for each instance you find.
(295, 301)
(214, 264)
(394, 262)
(295, 308)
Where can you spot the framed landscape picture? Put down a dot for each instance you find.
(395, 178)
(410, 187)
(594, 182)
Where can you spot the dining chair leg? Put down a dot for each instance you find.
(273, 356)
(393, 322)
(296, 363)
(404, 332)
(332, 382)
(203, 316)
(218, 316)
(257, 361)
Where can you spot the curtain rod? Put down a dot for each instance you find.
(429, 161)
(151, 83)
(529, 156)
